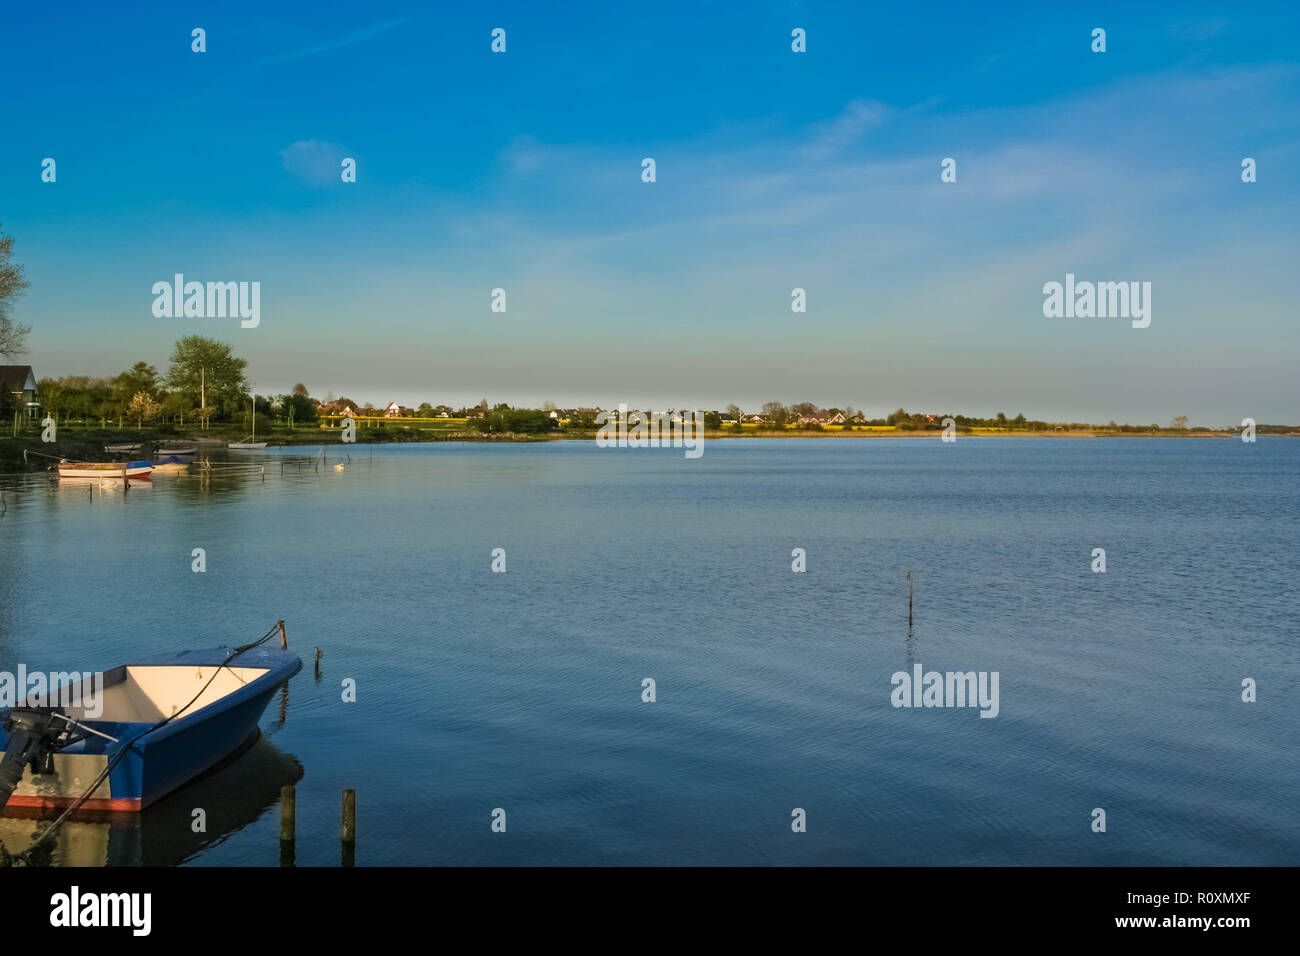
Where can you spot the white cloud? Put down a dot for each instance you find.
(858, 117)
(313, 161)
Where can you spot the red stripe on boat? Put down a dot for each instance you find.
(37, 802)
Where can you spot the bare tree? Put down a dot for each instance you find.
(13, 337)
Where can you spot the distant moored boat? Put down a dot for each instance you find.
(171, 466)
(252, 442)
(176, 448)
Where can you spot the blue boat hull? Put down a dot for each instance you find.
(159, 761)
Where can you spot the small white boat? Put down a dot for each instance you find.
(246, 444)
(122, 447)
(105, 469)
(178, 448)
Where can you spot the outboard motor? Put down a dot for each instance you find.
(34, 736)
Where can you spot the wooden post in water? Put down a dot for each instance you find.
(349, 827)
(284, 638)
(288, 809)
(909, 598)
(319, 655)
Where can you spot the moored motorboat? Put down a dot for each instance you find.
(105, 469)
(122, 447)
(148, 729)
(234, 795)
(171, 466)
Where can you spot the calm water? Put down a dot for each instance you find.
(523, 690)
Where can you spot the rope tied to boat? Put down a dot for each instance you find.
(24, 858)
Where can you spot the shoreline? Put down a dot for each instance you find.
(89, 447)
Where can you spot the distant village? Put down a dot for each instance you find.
(802, 415)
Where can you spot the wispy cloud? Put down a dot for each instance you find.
(857, 118)
(329, 46)
(524, 154)
(312, 160)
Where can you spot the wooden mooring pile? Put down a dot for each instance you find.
(288, 815)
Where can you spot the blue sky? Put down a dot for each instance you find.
(775, 170)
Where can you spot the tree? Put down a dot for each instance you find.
(1180, 422)
(53, 396)
(503, 418)
(142, 377)
(142, 406)
(200, 361)
(298, 409)
(301, 390)
(776, 414)
(898, 416)
(81, 397)
(13, 337)
(177, 405)
(734, 412)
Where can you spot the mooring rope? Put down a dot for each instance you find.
(28, 451)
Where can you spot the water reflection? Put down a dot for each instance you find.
(233, 796)
(213, 472)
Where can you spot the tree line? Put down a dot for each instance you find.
(204, 381)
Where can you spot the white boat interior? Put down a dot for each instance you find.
(148, 694)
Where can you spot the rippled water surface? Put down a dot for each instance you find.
(522, 690)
